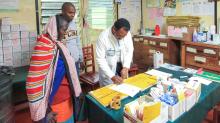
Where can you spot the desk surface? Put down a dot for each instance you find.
(209, 98)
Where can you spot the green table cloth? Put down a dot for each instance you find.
(210, 96)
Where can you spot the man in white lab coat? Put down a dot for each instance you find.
(114, 52)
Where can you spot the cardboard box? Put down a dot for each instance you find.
(8, 57)
(6, 36)
(6, 21)
(176, 110)
(25, 48)
(23, 27)
(32, 34)
(190, 99)
(24, 34)
(25, 42)
(1, 58)
(16, 44)
(15, 35)
(32, 45)
(7, 43)
(162, 118)
(15, 28)
(33, 39)
(1, 43)
(25, 56)
(196, 88)
(5, 28)
(17, 59)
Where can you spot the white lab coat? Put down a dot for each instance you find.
(106, 57)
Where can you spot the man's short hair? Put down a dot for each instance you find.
(122, 23)
(67, 4)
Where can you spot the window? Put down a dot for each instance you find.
(100, 13)
(53, 7)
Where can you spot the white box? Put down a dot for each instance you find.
(1, 43)
(25, 42)
(1, 58)
(15, 28)
(33, 39)
(25, 56)
(162, 118)
(5, 28)
(16, 42)
(7, 51)
(17, 59)
(176, 110)
(7, 43)
(196, 88)
(6, 21)
(25, 48)
(24, 34)
(15, 35)
(32, 45)
(190, 99)
(6, 35)
(23, 27)
(32, 34)
(0, 36)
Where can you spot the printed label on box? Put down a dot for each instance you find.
(15, 27)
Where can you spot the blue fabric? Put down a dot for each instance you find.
(59, 74)
(77, 67)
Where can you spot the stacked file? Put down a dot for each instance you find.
(183, 21)
(105, 95)
(142, 81)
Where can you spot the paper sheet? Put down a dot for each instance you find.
(154, 72)
(200, 80)
(126, 89)
(197, 7)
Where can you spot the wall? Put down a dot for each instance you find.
(218, 16)
(24, 15)
(209, 20)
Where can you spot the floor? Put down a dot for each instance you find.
(23, 116)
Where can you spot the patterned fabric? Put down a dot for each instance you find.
(64, 111)
(41, 61)
(41, 74)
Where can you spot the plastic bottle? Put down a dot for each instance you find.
(157, 30)
(194, 36)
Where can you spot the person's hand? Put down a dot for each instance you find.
(124, 73)
(117, 79)
(51, 117)
(82, 65)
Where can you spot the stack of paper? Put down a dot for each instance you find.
(126, 89)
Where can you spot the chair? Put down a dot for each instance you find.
(90, 77)
(133, 70)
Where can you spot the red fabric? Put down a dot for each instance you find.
(63, 92)
(35, 79)
(35, 90)
(39, 68)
